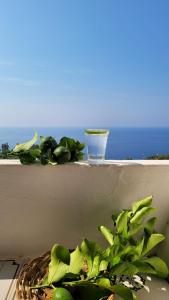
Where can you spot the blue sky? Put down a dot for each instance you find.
(84, 63)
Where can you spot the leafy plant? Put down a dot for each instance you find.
(49, 151)
(95, 273)
(133, 240)
(6, 153)
(5, 150)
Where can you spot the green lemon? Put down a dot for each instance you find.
(61, 294)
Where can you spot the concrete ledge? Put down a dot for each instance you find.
(41, 205)
(14, 162)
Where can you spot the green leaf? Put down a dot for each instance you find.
(141, 213)
(124, 268)
(149, 227)
(104, 283)
(107, 234)
(80, 146)
(106, 253)
(117, 247)
(95, 267)
(142, 203)
(79, 156)
(138, 249)
(76, 261)
(91, 248)
(128, 250)
(68, 143)
(26, 158)
(42, 139)
(159, 266)
(121, 223)
(154, 240)
(115, 260)
(48, 143)
(75, 148)
(134, 229)
(35, 152)
(144, 267)
(59, 265)
(103, 265)
(26, 146)
(124, 292)
(57, 271)
(92, 253)
(59, 150)
(60, 253)
(62, 154)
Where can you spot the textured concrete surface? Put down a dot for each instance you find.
(41, 205)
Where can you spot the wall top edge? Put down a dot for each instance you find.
(16, 162)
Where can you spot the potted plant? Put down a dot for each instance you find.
(91, 272)
(48, 151)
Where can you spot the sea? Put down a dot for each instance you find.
(123, 142)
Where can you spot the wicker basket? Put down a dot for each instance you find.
(32, 274)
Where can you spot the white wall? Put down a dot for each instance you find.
(41, 205)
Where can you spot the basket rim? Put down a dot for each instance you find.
(30, 274)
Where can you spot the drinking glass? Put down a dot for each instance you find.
(96, 141)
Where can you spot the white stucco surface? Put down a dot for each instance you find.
(41, 205)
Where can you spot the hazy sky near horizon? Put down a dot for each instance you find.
(84, 63)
